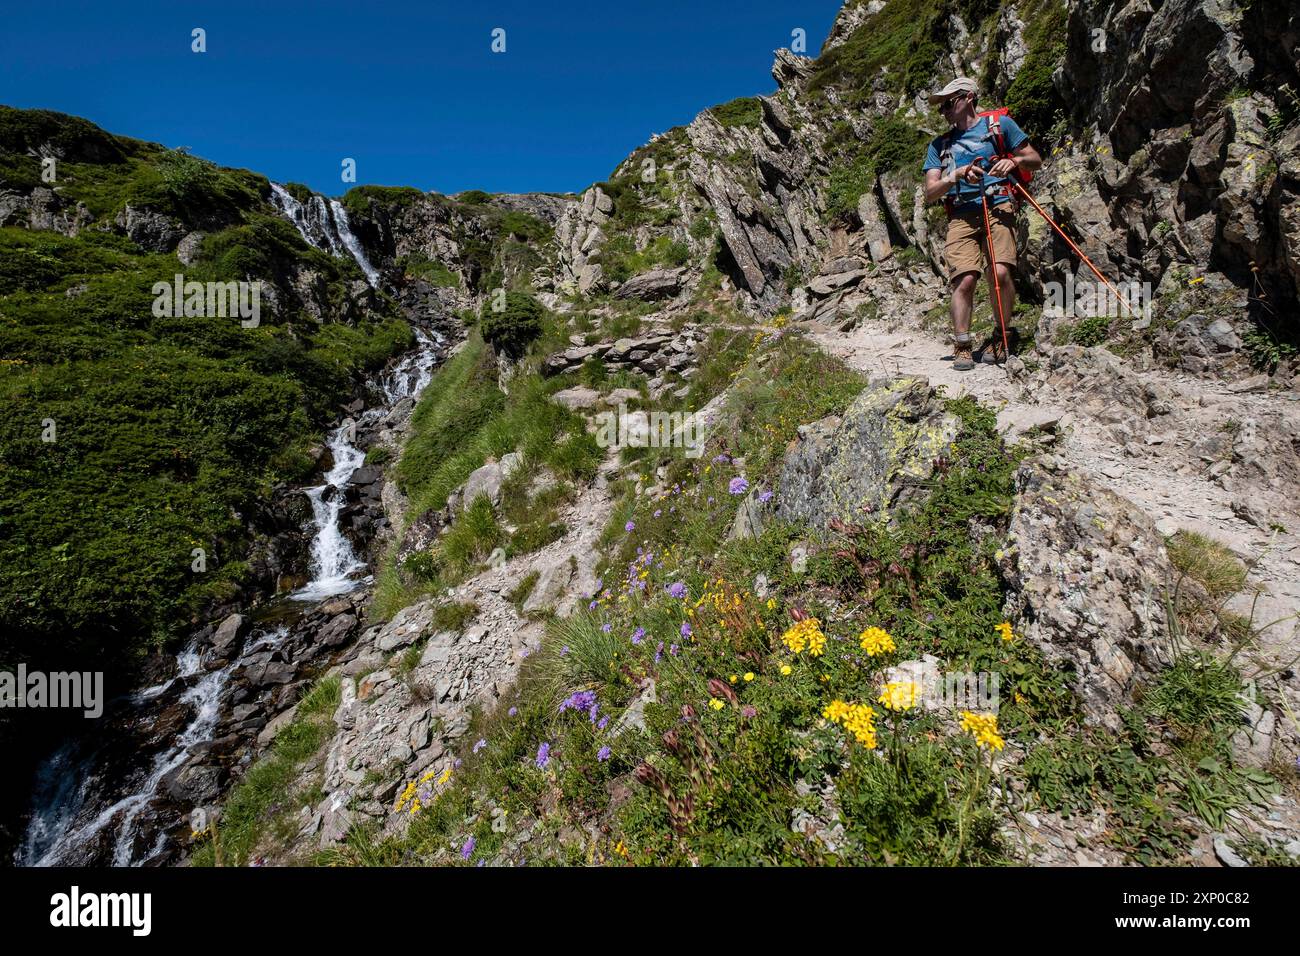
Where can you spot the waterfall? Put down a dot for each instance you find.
(58, 830)
(90, 799)
(350, 242)
(324, 227)
(332, 560)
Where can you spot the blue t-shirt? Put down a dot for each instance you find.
(971, 145)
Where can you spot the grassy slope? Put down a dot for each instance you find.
(723, 786)
(168, 430)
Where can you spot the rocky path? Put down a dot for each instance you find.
(1162, 441)
(1193, 454)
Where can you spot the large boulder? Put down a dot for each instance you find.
(656, 284)
(863, 465)
(1086, 573)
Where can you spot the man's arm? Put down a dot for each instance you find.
(936, 183)
(1024, 156)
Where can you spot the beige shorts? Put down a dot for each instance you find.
(963, 249)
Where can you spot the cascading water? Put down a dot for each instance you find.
(83, 809)
(324, 227)
(351, 244)
(59, 827)
(97, 798)
(333, 562)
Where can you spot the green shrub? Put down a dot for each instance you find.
(515, 327)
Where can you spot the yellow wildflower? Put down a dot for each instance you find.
(899, 695)
(749, 675)
(785, 670)
(715, 703)
(876, 640)
(836, 710)
(1005, 630)
(984, 728)
(805, 634)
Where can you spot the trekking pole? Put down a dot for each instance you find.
(993, 266)
(997, 285)
(1095, 271)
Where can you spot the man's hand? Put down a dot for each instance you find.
(1003, 168)
(971, 173)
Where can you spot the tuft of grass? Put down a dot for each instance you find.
(1208, 562)
(453, 616)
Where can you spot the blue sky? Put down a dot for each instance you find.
(411, 90)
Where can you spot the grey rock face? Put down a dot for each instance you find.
(1087, 574)
(150, 229)
(859, 467)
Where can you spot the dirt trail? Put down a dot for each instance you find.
(1162, 471)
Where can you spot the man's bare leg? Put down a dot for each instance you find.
(963, 299)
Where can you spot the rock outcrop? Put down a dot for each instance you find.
(860, 466)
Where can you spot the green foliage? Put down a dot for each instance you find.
(515, 327)
(898, 47)
(1091, 331)
(1032, 98)
(621, 259)
(420, 266)
(743, 111)
(895, 143)
(453, 615)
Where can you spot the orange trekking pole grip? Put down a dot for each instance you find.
(1095, 271)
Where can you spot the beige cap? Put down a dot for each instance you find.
(963, 84)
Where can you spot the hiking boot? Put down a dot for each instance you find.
(993, 352)
(961, 357)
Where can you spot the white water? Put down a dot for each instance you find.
(324, 227)
(350, 241)
(54, 832)
(333, 562)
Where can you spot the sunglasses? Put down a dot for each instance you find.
(951, 101)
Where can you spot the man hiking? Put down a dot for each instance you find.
(976, 155)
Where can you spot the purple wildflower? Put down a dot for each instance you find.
(479, 745)
(543, 756)
(637, 635)
(630, 526)
(721, 459)
(564, 651)
(686, 628)
(468, 849)
(481, 862)
(603, 753)
(512, 711)
(658, 512)
(458, 763)
(579, 700)
(710, 499)
(765, 497)
(738, 486)
(677, 589)
(607, 627)
(673, 650)
(603, 722)
(592, 605)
